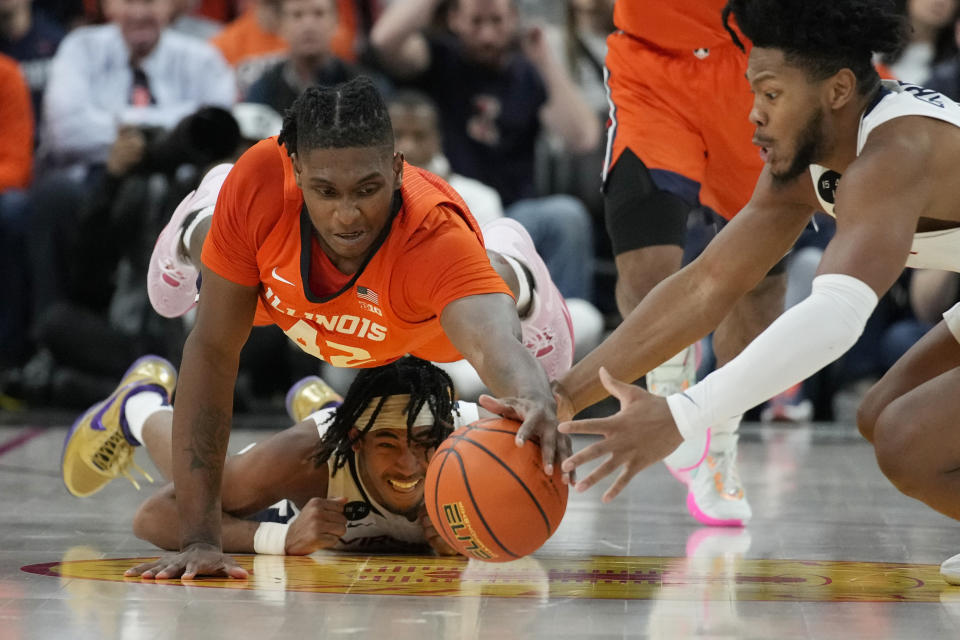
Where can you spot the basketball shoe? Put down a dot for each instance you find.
(547, 327)
(171, 277)
(308, 395)
(673, 376)
(950, 570)
(99, 447)
(716, 496)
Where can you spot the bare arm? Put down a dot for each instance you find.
(275, 469)
(201, 418)
(692, 302)
(486, 330)
(566, 114)
(397, 39)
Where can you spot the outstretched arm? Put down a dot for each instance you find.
(691, 303)
(397, 39)
(486, 330)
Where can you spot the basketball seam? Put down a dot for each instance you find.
(543, 514)
(476, 507)
(436, 498)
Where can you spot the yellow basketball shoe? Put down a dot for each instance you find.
(308, 395)
(99, 447)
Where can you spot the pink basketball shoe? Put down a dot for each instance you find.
(547, 329)
(171, 278)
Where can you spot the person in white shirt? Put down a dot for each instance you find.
(133, 71)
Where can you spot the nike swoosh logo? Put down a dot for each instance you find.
(281, 278)
(353, 525)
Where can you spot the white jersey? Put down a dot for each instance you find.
(370, 525)
(932, 249)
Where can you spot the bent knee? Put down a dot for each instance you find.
(872, 405)
(894, 444)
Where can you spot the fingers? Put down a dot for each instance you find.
(598, 474)
(594, 426)
(564, 451)
(499, 407)
(621, 483)
(548, 446)
(617, 389)
(140, 568)
(238, 572)
(585, 455)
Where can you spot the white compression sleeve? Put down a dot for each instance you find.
(799, 343)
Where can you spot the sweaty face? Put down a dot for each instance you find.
(787, 112)
(392, 469)
(348, 193)
(308, 26)
(416, 134)
(141, 22)
(485, 28)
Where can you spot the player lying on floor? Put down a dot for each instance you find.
(346, 476)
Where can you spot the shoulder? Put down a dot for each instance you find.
(255, 186)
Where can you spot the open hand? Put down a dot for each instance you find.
(539, 420)
(641, 433)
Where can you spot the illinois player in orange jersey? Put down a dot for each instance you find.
(360, 259)
(679, 136)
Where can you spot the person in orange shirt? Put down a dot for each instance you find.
(679, 137)
(251, 43)
(360, 258)
(16, 166)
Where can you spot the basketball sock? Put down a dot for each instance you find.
(525, 280)
(190, 224)
(139, 407)
(724, 436)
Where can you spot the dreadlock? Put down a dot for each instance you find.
(822, 36)
(351, 114)
(425, 383)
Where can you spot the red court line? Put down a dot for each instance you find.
(20, 439)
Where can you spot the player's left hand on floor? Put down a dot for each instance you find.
(641, 433)
(539, 421)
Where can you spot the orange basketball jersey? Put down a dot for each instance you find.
(432, 255)
(676, 24)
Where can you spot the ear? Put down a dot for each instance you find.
(841, 89)
(297, 169)
(357, 442)
(397, 170)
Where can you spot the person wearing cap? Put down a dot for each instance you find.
(349, 475)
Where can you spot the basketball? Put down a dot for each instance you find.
(489, 498)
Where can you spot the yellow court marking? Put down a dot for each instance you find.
(611, 577)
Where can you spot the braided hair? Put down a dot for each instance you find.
(425, 383)
(351, 114)
(822, 36)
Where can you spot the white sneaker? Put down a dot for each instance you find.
(950, 570)
(716, 495)
(673, 376)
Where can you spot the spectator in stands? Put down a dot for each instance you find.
(132, 72)
(30, 38)
(931, 40)
(251, 43)
(188, 23)
(308, 27)
(494, 97)
(945, 77)
(16, 164)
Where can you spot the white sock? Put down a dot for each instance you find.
(525, 293)
(139, 407)
(202, 214)
(724, 436)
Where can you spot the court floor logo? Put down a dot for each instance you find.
(603, 577)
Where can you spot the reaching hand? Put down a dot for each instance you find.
(320, 525)
(198, 559)
(539, 421)
(641, 433)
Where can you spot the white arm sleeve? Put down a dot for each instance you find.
(799, 343)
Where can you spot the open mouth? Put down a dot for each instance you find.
(404, 486)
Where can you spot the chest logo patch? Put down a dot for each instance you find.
(827, 186)
(356, 510)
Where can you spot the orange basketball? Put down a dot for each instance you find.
(489, 498)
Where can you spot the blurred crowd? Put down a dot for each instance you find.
(113, 109)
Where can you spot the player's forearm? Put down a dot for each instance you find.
(153, 518)
(566, 113)
(201, 429)
(400, 21)
(678, 312)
